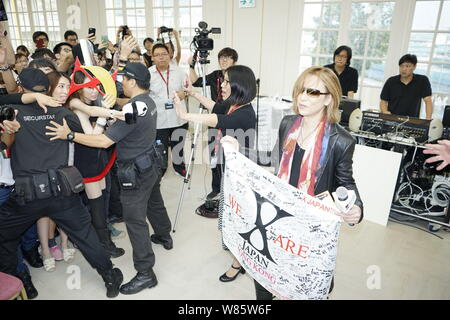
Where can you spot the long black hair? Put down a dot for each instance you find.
(243, 85)
(349, 53)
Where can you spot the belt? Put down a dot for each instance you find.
(5, 186)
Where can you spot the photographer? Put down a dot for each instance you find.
(37, 166)
(165, 79)
(40, 39)
(170, 47)
(139, 171)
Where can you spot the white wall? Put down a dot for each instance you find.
(265, 38)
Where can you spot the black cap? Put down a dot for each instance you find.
(135, 70)
(34, 80)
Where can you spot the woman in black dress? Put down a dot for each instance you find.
(235, 117)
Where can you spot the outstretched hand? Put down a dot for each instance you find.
(441, 150)
(45, 101)
(58, 131)
(180, 108)
(108, 101)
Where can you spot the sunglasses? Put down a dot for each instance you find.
(313, 92)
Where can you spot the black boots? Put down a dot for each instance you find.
(113, 279)
(105, 238)
(33, 257)
(141, 281)
(98, 214)
(27, 284)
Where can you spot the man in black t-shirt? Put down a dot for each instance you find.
(403, 94)
(348, 76)
(38, 194)
(140, 195)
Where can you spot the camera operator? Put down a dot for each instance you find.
(227, 57)
(139, 172)
(173, 61)
(165, 79)
(39, 167)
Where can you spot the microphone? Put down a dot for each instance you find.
(257, 82)
(344, 199)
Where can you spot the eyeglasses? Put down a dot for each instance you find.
(313, 92)
(161, 55)
(341, 56)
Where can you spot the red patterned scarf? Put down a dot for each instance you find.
(310, 161)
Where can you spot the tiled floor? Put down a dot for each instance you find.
(374, 262)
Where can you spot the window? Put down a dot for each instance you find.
(362, 25)
(45, 17)
(126, 12)
(320, 32)
(19, 23)
(27, 16)
(182, 15)
(430, 41)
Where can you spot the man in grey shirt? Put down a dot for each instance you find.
(141, 199)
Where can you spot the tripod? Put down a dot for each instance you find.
(187, 179)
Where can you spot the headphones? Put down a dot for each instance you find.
(134, 110)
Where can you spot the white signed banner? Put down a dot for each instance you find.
(285, 239)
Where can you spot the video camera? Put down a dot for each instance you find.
(201, 42)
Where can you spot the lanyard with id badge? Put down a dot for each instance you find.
(169, 104)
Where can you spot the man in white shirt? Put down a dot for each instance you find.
(165, 80)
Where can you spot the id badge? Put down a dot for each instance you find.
(213, 162)
(168, 105)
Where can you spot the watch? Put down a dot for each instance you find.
(70, 136)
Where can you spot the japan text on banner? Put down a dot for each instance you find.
(284, 238)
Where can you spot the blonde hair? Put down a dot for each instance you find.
(331, 82)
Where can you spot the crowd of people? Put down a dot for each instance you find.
(121, 163)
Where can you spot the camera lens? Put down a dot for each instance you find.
(6, 113)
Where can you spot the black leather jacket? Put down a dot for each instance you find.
(337, 169)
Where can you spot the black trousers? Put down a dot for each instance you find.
(68, 212)
(176, 143)
(114, 205)
(143, 203)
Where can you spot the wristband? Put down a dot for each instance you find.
(101, 122)
(5, 68)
